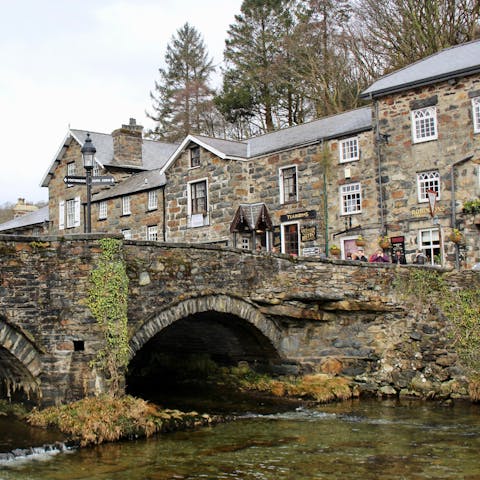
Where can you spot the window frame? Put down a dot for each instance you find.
(126, 205)
(420, 124)
(150, 229)
(476, 114)
(72, 212)
(285, 188)
(344, 193)
(434, 244)
(346, 147)
(152, 200)
(192, 197)
(127, 233)
(102, 210)
(428, 184)
(71, 171)
(194, 156)
(284, 227)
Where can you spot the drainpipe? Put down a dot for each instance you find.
(325, 202)
(454, 207)
(164, 213)
(378, 141)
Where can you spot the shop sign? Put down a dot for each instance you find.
(311, 251)
(308, 233)
(307, 214)
(277, 236)
(425, 211)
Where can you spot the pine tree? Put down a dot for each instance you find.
(182, 100)
(253, 50)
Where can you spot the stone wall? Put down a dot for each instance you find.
(335, 316)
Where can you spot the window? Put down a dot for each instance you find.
(428, 181)
(476, 114)
(429, 244)
(126, 205)
(152, 233)
(73, 212)
(290, 239)
(351, 198)
(245, 243)
(288, 184)
(198, 197)
(152, 200)
(424, 124)
(349, 150)
(70, 172)
(96, 169)
(102, 210)
(127, 234)
(194, 157)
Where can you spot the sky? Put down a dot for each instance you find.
(87, 65)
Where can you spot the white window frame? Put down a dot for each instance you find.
(126, 205)
(72, 212)
(476, 114)
(424, 124)
(152, 200)
(351, 198)
(281, 181)
(96, 169)
(434, 243)
(152, 233)
(71, 170)
(102, 210)
(349, 150)
(283, 226)
(197, 218)
(429, 180)
(127, 233)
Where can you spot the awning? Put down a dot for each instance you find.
(251, 217)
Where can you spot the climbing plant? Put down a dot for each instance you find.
(461, 308)
(107, 300)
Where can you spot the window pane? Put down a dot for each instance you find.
(349, 150)
(351, 198)
(289, 181)
(428, 181)
(199, 197)
(290, 233)
(424, 124)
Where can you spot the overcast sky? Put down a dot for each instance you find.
(87, 64)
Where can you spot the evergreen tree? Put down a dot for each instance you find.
(182, 101)
(253, 50)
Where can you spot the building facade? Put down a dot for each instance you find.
(402, 171)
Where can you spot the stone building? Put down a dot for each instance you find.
(400, 169)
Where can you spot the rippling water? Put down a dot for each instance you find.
(354, 440)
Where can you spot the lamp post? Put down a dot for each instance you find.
(88, 154)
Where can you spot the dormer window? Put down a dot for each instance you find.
(194, 157)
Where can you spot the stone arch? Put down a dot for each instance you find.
(20, 363)
(217, 303)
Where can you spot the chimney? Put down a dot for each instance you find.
(127, 144)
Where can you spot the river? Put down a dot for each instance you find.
(361, 439)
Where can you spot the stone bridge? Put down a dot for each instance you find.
(287, 314)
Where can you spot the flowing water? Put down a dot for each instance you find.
(364, 439)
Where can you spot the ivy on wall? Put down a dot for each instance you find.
(461, 308)
(108, 301)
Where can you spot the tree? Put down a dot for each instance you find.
(182, 99)
(396, 33)
(253, 49)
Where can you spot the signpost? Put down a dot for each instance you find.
(78, 180)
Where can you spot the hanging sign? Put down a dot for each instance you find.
(308, 233)
(432, 201)
(307, 214)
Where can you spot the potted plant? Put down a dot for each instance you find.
(360, 241)
(384, 242)
(472, 207)
(456, 236)
(335, 250)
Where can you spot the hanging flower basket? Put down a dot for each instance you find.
(456, 236)
(334, 250)
(360, 241)
(384, 242)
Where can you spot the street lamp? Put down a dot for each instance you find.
(88, 154)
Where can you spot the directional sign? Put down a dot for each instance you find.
(103, 180)
(71, 179)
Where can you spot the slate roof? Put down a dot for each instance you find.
(252, 215)
(334, 126)
(138, 182)
(450, 63)
(154, 154)
(29, 219)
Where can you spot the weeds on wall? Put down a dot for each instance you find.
(108, 301)
(461, 308)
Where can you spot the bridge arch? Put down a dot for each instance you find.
(222, 304)
(20, 363)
